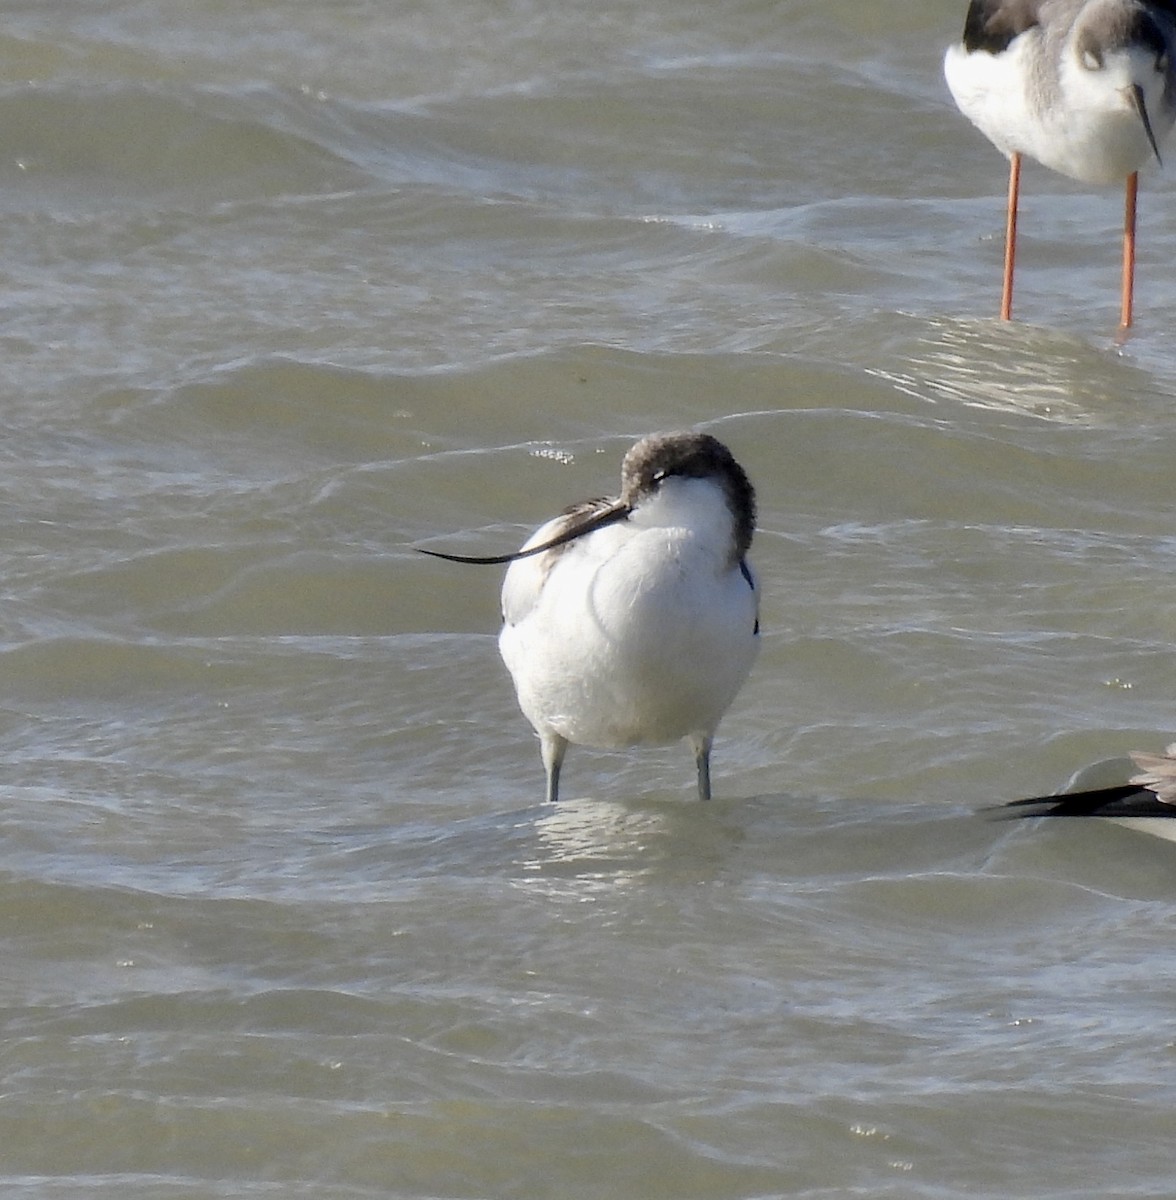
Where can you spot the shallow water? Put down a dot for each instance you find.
(288, 288)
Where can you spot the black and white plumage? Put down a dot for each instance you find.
(1085, 87)
(1146, 801)
(635, 620)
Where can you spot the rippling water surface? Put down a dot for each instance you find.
(287, 287)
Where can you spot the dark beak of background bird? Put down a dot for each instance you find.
(1139, 103)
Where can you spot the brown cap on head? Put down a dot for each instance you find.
(690, 455)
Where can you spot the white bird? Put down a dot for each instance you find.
(635, 620)
(1086, 87)
(1147, 801)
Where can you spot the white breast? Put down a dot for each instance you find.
(641, 632)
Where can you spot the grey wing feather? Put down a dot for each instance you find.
(1157, 773)
(992, 24)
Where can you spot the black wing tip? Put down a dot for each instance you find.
(1126, 800)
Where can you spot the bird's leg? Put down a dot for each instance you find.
(702, 747)
(1010, 254)
(1127, 305)
(553, 748)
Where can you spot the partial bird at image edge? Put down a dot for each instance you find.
(1146, 801)
(1085, 87)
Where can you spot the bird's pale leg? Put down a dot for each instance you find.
(553, 748)
(1010, 254)
(702, 749)
(1127, 305)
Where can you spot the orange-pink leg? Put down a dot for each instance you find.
(1126, 308)
(1010, 254)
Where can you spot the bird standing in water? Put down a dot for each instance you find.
(635, 620)
(1086, 87)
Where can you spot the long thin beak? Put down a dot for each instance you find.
(607, 516)
(1139, 103)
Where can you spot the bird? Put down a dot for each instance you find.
(634, 620)
(1146, 801)
(1085, 87)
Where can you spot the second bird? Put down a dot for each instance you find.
(1086, 87)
